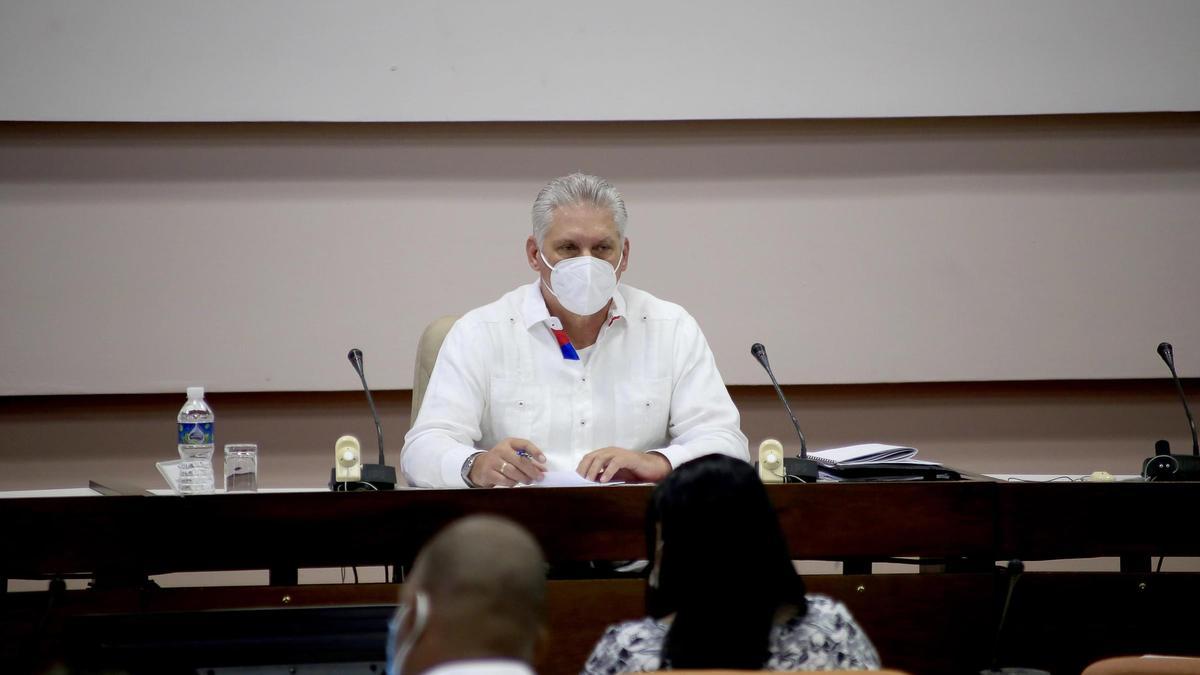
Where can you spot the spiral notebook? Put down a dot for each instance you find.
(865, 453)
(878, 462)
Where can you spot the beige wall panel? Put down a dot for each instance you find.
(145, 258)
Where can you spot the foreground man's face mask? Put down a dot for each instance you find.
(399, 647)
(583, 284)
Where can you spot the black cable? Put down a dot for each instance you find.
(1159, 568)
(54, 594)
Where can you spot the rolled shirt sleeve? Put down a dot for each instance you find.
(703, 417)
(448, 424)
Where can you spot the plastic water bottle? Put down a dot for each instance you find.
(195, 444)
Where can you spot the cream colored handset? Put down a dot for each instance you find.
(347, 460)
(770, 461)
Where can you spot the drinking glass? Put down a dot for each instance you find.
(241, 467)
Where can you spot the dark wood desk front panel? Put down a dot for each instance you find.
(1046, 521)
(132, 535)
(986, 521)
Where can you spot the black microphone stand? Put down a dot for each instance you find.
(374, 476)
(801, 469)
(1013, 571)
(1164, 466)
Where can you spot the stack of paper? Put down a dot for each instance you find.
(877, 462)
(865, 453)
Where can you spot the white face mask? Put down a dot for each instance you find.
(397, 654)
(583, 284)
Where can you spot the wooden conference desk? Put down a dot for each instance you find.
(926, 623)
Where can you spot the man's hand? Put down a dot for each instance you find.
(512, 461)
(630, 466)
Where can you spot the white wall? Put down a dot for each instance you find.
(537, 60)
(251, 258)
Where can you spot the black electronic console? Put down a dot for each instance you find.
(890, 472)
(1164, 466)
(1167, 467)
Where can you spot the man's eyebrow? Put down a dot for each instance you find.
(567, 239)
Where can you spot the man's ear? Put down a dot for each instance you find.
(531, 254)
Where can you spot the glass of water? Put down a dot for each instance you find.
(241, 467)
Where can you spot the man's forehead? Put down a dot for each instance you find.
(580, 220)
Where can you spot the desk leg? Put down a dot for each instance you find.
(1135, 564)
(284, 576)
(109, 579)
(856, 566)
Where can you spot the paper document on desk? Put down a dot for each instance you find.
(568, 479)
(878, 462)
(170, 473)
(866, 453)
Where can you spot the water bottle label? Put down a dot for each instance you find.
(200, 433)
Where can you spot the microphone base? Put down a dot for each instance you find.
(798, 470)
(375, 477)
(1175, 468)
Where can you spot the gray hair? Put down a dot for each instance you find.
(577, 188)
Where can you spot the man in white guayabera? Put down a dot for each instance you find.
(574, 372)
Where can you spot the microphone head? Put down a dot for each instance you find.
(1164, 350)
(759, 352)
(1015, 567)
(355, 356)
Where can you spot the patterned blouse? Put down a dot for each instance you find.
(825, 638)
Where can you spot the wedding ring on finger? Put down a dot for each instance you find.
(503, 466)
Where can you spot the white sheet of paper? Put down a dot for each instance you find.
(170, 473)
(567, 479)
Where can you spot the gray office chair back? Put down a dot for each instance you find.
(427, 351)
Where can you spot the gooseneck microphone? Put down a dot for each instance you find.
(1164, 466)
(374, 476)
(1168, 357)
(356, 360)
(802, 468)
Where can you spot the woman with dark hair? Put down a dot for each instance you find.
(722, 591)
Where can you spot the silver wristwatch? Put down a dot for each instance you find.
(466, 470)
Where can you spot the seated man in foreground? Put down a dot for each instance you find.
(475, 603)
(573, 372)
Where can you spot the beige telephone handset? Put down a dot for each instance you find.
(770, 461)
(347, 460)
